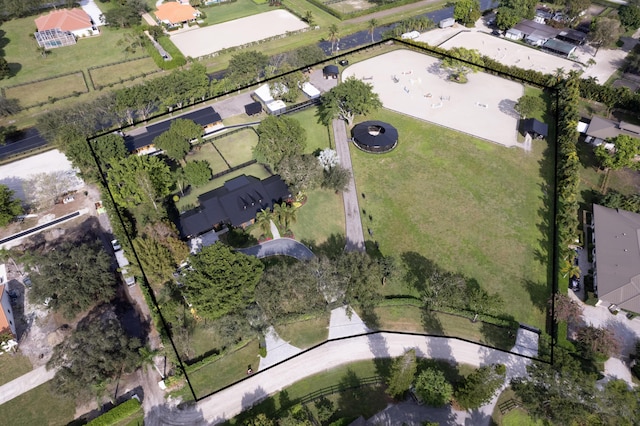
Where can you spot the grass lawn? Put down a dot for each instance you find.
(13, 365)
(307, 333)
(27, 63)
(119, 72)
(470, 206)
(349, 7)
(317, 134)
(136, 419)
(519, 417)
(39, 406)
(228, 369)
(208, 153)
(410, 318)
(256, 170)
(34, 93)
(224, 12)
(320, 17)
(237, 148)
(321, 217)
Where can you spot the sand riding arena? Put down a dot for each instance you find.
(413, 83)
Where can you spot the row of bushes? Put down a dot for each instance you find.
(177, 58)
(117, 414)
(122, 80)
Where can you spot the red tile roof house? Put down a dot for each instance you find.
(174, 13)
(74, 21)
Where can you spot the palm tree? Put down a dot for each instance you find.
(308, 17)
(289, 215)
(373, 23)
(333, 36)
(278, 213)
(263, 220)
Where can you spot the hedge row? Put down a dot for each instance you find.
(116, 414)
(355, 14)
(177, 58)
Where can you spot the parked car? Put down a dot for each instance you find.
(116, 245)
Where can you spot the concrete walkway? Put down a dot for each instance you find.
(355, 236)
(277, 350)
(274, 230)
(231, 401)
(280, 247)
(340, 325)
(25, 383)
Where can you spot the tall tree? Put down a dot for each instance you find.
(5, 71)
(462, 62)
(604, 32)
(10, 207)
(403, 371)
(529, 104)
(301, 172)
(176, 141)
(139, 180)
(197, 173)
(594, 341)
(8, 106)
(222, 281)
(480, 386)
(371, 25)
(624, 152)
(97, 351)
(155, 260)
(247, 67)
(336, 178)
(308, 18)
(334, 36)
(263, 221)
(467, 12)
(348, 99)
(75, 277)
(629, 15)
(279, 137)
(565, 308)
(433, 387)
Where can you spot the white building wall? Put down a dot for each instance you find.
(8, 310)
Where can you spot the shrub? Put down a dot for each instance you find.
(480, 386)
(116, 414)
(433, 388)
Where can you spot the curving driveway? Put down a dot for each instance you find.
(280, 247)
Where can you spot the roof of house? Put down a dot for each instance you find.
(4, 321)
(559, 46)
(203, 117)
(602, 128)
(253, 108)
(65, 19)
(175, 12)
(531, 125)
(533, 28)
(330, 70)
(236, 202)
(375, 133)
(617, 256)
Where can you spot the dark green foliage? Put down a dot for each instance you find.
(301, 172)
(402, 374)
(197, 173)
(222, 281)
(8, 106)
(306, 56)
(626, 149)
(616, 200)
(528, 104)
(467, 12)
(75, 277)
(137, 180)
(5, 71)
(97, 351)
(176, 142)
(116, 414)
(279, 137)
(597, 343)
(348, 99)
(324, 408)
(289, 288)
(629, 15)
(126, 14)
(336, 178)
(433, 387)
(480, 386)
(247, 67)
(10, 207)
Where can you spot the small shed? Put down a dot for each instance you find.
(330, 71)
(535, 128)
(446, 23)
(310, 90)
(412, 35)
(253, 108)
(514, 34)
(276, 107)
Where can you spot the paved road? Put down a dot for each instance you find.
(25, 383)
(355, 236)
(231, 401)
(280, 247)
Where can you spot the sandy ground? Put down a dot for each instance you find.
(483, 107)
(15, 173)
(207, 40)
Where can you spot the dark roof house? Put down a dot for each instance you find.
(541, 31)
(617, 257)
(535, 128)
(140, 142)
(253, 108)
(330, 71)
(375, 136)
(602, 128)
(236, 203)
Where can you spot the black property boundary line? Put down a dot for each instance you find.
(411, 46)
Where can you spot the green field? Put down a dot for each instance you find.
(321, 217)
(34, 93)
(469, 206)
(39, 406)
(228, 11)
(12, 366)
(207, 152)
(116, 73)
(237, 148)
(306, 333)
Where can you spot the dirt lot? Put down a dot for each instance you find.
(414, 84)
